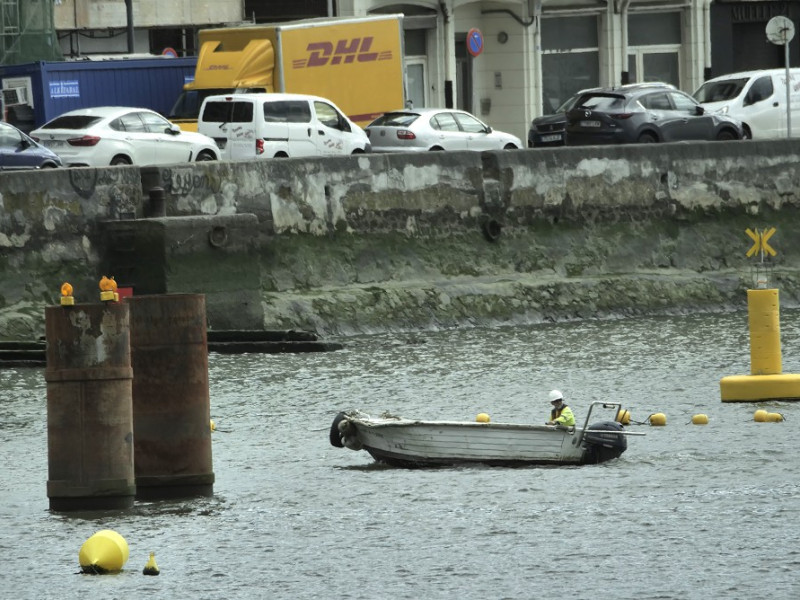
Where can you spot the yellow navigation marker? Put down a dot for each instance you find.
(760, 239)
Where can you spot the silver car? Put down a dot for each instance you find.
(423, 129)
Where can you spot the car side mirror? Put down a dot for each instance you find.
(25, 143)
(699, 110)
(488, 129)
(173, 129)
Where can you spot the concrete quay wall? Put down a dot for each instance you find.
(378, 242)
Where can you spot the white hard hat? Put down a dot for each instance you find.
(556, 395)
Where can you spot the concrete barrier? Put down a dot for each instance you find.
(327, 229)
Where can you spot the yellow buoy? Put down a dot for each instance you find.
(658, 419)
(623, 416)
(700, 419)
(151, 568)
(482, 418)
(760, 416)
(213, 425)
(104, 552)
(774, 417)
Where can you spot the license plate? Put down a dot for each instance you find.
(551, 138)
(54, 143)
(590, 123)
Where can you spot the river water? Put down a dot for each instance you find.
(688, 512)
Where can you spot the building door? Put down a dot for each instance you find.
(416, 82)
(463, 81)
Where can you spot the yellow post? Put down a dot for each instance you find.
(763, 311)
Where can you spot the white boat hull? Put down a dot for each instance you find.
(409, 443)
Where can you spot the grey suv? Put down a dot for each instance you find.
(644, 113)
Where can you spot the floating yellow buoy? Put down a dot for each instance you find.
(760, 416)
(658, 419)
(151, 568)
(213, 425)
(700, 419)
(482, 418)
(623, 416)
(774, 417)
(105, 552)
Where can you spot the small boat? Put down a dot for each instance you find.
(411, 443)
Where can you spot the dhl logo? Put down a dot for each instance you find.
(345, 52)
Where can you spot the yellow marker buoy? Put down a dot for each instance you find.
(623, 416)
(700, 419)
(774, 417)
(151, 568)
(760, 416)
(213, 425)
(483, 418)
(658, 419)
(104, 552)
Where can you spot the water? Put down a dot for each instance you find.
(689, 512)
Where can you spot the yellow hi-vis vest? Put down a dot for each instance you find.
(563, 416)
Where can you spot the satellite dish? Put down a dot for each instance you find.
(780, 30)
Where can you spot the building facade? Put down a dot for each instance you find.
(87, 27)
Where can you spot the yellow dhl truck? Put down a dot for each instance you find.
(357, 62)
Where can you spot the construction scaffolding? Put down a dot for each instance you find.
(27, 32)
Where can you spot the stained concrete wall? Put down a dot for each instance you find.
(375, 242)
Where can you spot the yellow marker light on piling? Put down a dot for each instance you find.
(66, 295)
(108, 289)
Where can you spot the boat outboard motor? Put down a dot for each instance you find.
(603, 443)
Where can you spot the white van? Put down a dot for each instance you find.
(249, 126)
(757, 99)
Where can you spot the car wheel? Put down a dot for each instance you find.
(49, 166)
(205, 155)
(647, 138)
(436, 149)
(510, 147)
(358, 151)
(726, 135)
(120, 160)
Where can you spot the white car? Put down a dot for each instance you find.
(424, 129)
(116, 135)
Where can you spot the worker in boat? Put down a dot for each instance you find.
(561, 413)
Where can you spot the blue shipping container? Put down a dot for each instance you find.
(58, 87)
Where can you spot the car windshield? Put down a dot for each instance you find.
(719, 91)
(188, 104)
(395, 119)
(601, 103)
(567, 104)
(72, 122)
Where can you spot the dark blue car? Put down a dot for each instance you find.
(18, 151)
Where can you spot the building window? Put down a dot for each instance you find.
(654, 46)
(570, 58)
